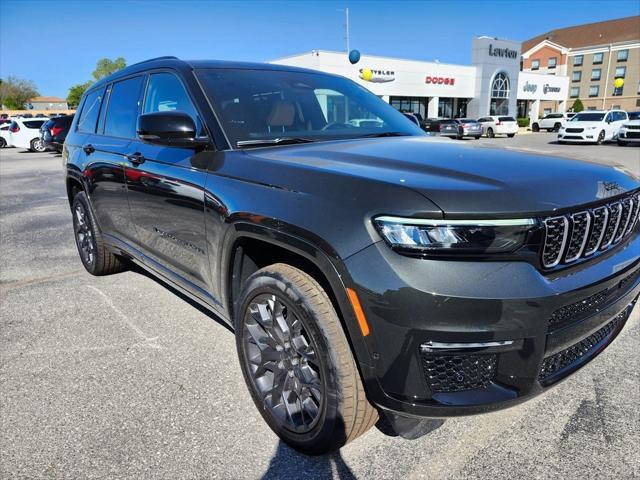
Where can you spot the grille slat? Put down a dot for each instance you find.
(579, 235)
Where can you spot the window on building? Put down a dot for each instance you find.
(535, 64)
(553, 61)
(617, 91)
(596, 73)
(576, 76)
(577, 60)
(617, 107)
(623, 55)
(575, 92)
(598, 58)
(592, 108)
(594, 90)
(620, 72)
(500, 95)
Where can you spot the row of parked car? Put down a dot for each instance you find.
(467, 127)
(35, 134)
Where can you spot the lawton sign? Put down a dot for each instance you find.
(440, 80)
(502, 52)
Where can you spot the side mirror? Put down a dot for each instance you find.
(171, 128)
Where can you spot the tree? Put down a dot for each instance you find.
(75, 93)
(577, 106)
(15, 92)
(106, 67)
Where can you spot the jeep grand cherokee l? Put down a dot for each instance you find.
(366, 270)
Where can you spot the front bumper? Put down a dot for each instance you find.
(630, 136)
(516, 331)
(586, 136)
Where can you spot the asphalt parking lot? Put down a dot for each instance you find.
(118, 377)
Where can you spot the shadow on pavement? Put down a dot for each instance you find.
(286, 463)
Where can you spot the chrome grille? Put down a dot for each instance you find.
(579, 235)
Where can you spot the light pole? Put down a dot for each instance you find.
(346, 26)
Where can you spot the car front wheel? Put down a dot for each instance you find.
(297, 362)
(3, 142)
(37, 145)
(601, 136)
(490, 133)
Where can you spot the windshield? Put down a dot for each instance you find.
(254, 105)
(588, 117)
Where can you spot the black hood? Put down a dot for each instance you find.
(465, 180)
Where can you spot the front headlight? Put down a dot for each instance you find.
(449, 236)
(591, 128)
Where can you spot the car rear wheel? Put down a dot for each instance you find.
(3, 142)
(535, 127)
(95, 256)
(511, 135)
(490, 133)
(600, 140)
(37, 145)
(297, 363)
(556, 127)
(477, 137)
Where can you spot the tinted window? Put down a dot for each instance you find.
(634, 116)
(506, 119)
(122, 112)
(165, 93)
(33, 123)
(90, 111)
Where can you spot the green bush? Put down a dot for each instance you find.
(523, 122)
(577, 106)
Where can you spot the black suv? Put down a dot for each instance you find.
(366, 269)
(54, 132)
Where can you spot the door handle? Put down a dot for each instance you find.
(88, 149)
(135, 158)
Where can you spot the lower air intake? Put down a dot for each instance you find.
(456, 373)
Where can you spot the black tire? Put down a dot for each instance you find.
(511, 135)
(3, 142)
(338, 401)
(622, 143)
(549, 130)
(601, 136)
(556, 127)
(37, 145)
(490, 133)
(535, 127)
(95, 256)
(477, 137)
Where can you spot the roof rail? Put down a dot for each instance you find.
(166, 57)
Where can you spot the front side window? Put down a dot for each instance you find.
(165, 92)
(90, 111)
(597, 58)
(577, 60)
(122, 110)
(596, 73)
(594, 90)
(575, 92)
(576, 76)
(552, 62)
(535, 64)
(623, 55)
(256, 106)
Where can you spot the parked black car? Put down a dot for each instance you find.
(54, 132)
(365, 270)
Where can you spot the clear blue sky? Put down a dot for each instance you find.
(56, 43)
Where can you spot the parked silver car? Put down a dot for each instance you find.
(460, 127)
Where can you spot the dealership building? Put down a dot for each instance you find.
(492, 85)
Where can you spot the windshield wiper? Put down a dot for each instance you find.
(385, 134)
(273, 141)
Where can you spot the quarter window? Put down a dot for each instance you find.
(597, 58)
(90, 111)
(594, 90)
(122, 111)
(576, 76)
(596, 73)
(552, 62)
(577, 60)
(535, 64)
(623, 55)
(165, 92)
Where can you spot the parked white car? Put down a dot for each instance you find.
(499, 125)
(25, 133)
(5, 136)
(551, 122)
(593, 126)
(629, 132)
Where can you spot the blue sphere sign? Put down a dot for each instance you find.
(354, 56)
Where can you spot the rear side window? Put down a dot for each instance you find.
(122, 111)
(90, 110)
(165, 92)
(33, 123)
(506, 119)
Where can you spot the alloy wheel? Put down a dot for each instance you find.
(84, 235)
(601, 137)
(283, 363)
